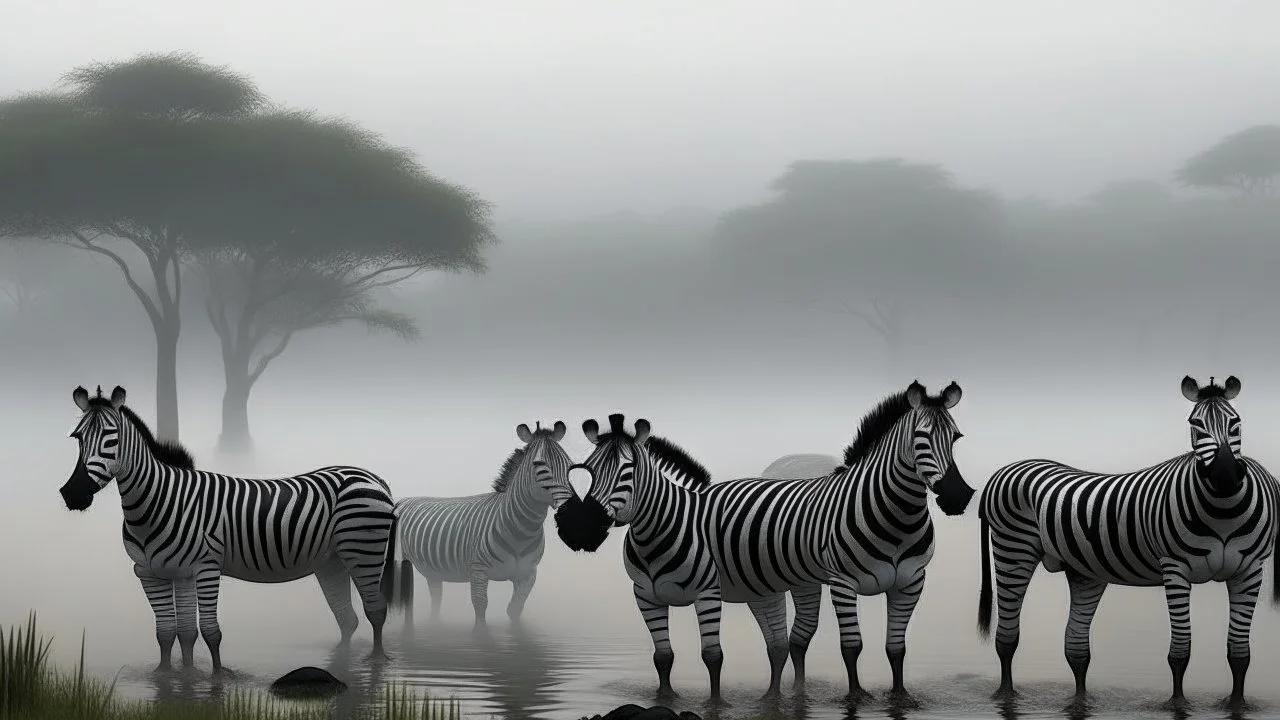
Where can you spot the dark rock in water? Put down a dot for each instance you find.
(635, 712)
(308, 682)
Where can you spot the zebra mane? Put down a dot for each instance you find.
(672, 459)
(878, 422)
(1212, 390)
(508, 471)
(167, 452)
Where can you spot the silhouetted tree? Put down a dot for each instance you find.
(108, 163)
(314, 217)
(293, 221)
(1246, 162)
(868, 239)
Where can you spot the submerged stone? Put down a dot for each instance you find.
(308, 682)
(631, 711)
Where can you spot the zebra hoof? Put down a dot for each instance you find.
(902, 700)
(667, 694)
(1176, 704)
(1234, 704)
(857, 696)
(1004, 694)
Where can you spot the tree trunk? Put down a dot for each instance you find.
(167, 382)
(235, 438)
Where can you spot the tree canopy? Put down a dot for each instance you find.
(294, 219)
(1247, 162)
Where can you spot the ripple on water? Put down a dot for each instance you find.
(526, 674)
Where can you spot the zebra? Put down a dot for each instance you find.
(496, 536)
(193, 526)
(662, 548)
(757, 538)
(1208, 514)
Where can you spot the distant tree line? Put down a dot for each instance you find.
(174, 174)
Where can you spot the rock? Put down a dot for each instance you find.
(308, 682)
(635, 712)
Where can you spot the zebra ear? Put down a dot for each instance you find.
(915, 393)
(81, 396)
(642, 430)
(522, 432)
(1231, 388)
(117, 397)
(951, 395)
(558, 431)
(1190, 389)
(591, 429)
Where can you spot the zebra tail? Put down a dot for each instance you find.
(389, 563)
(1275, 568)
(404, 594)
(984, 597)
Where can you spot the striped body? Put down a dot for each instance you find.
(1207, 515)
(185, 528)
(865, 530)
(497, 536)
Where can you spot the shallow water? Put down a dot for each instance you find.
(527, 672)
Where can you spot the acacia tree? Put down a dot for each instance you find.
(866, 239)
(1246, 163)
(314, 217)
(108, 162)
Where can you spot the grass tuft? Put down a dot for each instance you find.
(30, 689)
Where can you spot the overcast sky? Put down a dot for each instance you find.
(558, 108)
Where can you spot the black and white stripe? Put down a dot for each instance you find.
(1207, 515)
(497, 536)
(186, 528)
(865, 530)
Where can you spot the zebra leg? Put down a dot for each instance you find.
(159, 594)
(771, 614)
(655, 618)
(1086, 593)
(335, 583)
(435, 587)
(207, 582)
(520, 589)
(186, 619)
(844, 595)
(808, 602)
(479, 595)
(900, 604)
(365, 570)
(708, 609)
(1177, 593)
(1015, 561)
(1242, 592)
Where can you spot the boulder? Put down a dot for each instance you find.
(635, 712)
(308, 682)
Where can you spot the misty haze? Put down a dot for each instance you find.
(303, 235)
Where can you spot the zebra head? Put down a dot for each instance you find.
(550, 463)
(1215, 433)
(933, 435)
(98, 433)
(612, 466)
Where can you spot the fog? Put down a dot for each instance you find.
(745, 222)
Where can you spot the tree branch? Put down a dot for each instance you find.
(147, 304)
(265, 360)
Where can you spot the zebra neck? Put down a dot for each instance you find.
(658, 504)
(142, 482)
(889, 474)
(521, 511)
